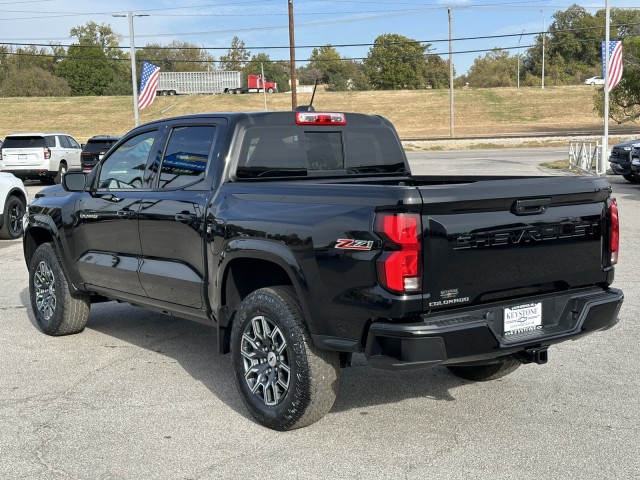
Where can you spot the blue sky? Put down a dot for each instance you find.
(263, 23)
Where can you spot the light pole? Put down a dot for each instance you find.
(134, 73)
(544, 35)
(519, 40)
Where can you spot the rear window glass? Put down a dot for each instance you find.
(292, 151)
(95, 146)
(24, 142)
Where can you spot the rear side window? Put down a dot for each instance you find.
(64, 143)
(185, 158)
(50, 141)
(291, 151)
(24, 142)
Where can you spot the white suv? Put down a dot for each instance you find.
(45, 156)
(13, 200)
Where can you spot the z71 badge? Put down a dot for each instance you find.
(350, 244)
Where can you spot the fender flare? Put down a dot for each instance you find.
(38, 221)
(267, 250)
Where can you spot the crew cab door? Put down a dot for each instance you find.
(106, 238)
(172, 221)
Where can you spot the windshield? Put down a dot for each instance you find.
(293, 151)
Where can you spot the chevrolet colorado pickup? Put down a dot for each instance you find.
(303, 238)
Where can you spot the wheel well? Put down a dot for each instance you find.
(35, 237)
(18, 194)
(246, 275)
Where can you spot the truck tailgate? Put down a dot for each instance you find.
(502, 239)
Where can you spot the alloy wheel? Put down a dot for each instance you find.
(266, 360)
(44, 283)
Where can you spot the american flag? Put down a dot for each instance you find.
(615, 62)
(148, 85)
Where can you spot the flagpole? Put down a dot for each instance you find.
(134, 73)
(602, 169)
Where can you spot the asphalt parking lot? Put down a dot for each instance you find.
(139, 395)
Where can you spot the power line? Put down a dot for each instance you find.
(345, 45)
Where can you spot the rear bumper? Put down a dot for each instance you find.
(476, 335)
(33, 172)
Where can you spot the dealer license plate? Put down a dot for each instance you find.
(522, 318)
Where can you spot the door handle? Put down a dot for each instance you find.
(531, 207)
(125, 213)
(185, 217)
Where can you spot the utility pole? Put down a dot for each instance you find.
(292, 59)
(134, 73)
(450, 73)
(544, 35)
(518, 76)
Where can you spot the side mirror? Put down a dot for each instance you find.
(74, 181)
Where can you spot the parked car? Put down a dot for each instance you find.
(43, 156)
(620, 159)
(594, 81)
(94, 150)
(13, 200)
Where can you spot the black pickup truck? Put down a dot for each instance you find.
(303, 238)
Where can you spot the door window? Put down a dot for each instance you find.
(73, 142)
(125, 166)
(186, 156)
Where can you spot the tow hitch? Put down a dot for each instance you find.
(537, 355)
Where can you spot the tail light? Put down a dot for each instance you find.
(614, 235)
(47, 154)
(399, 267)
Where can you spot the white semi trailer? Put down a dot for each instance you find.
(191, 83)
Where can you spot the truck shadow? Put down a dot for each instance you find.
(194, 348)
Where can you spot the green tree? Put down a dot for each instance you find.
(437, 72)
(334, 70)
(573, 44)
(86, 69)
(396, 62)
(236, 57)
(95, 65)
(100, 35)
(177, 57)
(273, 71)
(624, 99)
(496, 69)
(33, 82)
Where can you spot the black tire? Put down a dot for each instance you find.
(13, 213)
(56, 310)
(630, 177)
(284, 381)
(270, 90)
(483, 373)
(62, 170)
